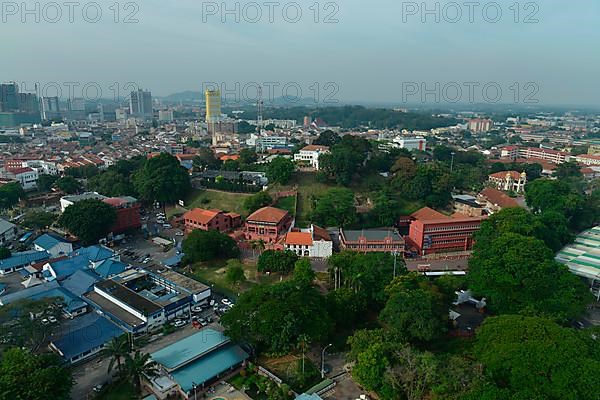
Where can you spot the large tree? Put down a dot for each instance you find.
(257, 201)
(162, 179)
(68, 184)
(90, 220)
(416, 309)
(280, 170)
(276, 261)
(209, 245)
(273, 318)
(534, 358)
(25, 376)
(10, 194)
(205, 159)
(517, 274)
(335, 208)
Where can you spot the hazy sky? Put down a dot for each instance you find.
(378, 50)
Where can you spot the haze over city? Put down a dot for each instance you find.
(368, 49)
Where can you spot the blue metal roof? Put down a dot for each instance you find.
(109, 268)
(48, 241)
(80, 282)
(28, 293)
(86, 333)
(208, 367)
(23, 259)
(190, 348)
(95, 253)
(72, 303)
(67, 267)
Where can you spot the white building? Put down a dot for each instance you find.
(70, 200)
(314, 242)
(410, 143)
(27, 177)
(310, 155)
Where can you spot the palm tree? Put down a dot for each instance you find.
(303, 342)
(117, 349)
(138, 365)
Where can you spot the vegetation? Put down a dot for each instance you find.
(335, 208)
(26, 376)
(280, 170)
(89, 220)
(68, 184)
(277, 261)
(4, 253)
(10, 195)
(208, 245)
(162, 179)
(257, 201)
(38, 220)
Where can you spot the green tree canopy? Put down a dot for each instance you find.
(45, 182)
(280, 170)
(276, 261)
(517, 274)
(335, 208)
(68, 184)
(90, 220)
(303, 272)
(162, 179)
(534, 358)
(257, 201)
(10, 194)
(209, 245)
(38, 219)
(274, 317)
(25, 376)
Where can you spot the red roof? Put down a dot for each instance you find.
(498, 198)
(18, 171)
(314, 147)
(299, 238)
(268, 214)
(201, 215)
(502, 175)
(428, 214)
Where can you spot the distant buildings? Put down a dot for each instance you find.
(140, 104)
(309, 155)
(50, 108)
(26, 176)
(206, 220)
(479, 125)
(494, 200)
(508, 181)
(589, 160)
(213, 105)
(374, 240)
(8, 231)
(553, 156)
(17, 108)
(410, 143)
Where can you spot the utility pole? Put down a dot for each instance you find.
(395, 253)
(452, 162)
(323, 360)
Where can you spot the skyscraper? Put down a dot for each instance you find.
(9, 97)
(213, 106)
(140, 104)
(49, 107)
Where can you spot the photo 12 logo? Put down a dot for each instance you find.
(470, 11)
(88, 91)
(270, 92)
(270, 12)
(469, 92)
(69, 12)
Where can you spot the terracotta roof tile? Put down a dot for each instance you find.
(268, 214)
(299, 238)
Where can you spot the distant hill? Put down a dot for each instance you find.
(189, 96)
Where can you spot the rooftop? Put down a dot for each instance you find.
(22, 259)
(299, 238)
(583, 257)
(129, 297)
(85, 333)
(201, 215)
(114, 310)
(376, 235)
(48, 241)
(209, 367)
(268, 214)
(498, 198)
(190, 349)
(6, 226)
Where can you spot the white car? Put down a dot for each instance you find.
(45, 321)
(52, 320)
(146, 261)
(179, 323)
(227, 302)
(179, 234)
(167, 226)
(197, 309)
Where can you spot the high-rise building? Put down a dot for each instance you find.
(165, 115)
(28, 103)
(50, 107)
(140, 104)
(9, 97)
(213, 106)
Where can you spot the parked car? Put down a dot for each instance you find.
(178, 233)
(179, 323)
(45, 321)
(197, 309)
(226, 302)
(167, 226)
(98, 388)
(52, 319)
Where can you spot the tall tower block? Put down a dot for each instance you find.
(213, 105)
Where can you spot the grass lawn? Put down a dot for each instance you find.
(289, 369)
(229, 202)
(120, 390)
(214, 273)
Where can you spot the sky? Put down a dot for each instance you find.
(543, 52)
